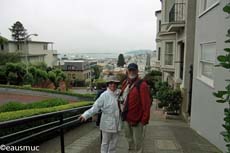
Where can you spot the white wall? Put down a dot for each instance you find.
(207, 115)
(37, 48)
(12, 47)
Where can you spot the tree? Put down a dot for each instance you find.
(96, 71)
(3, 40)
(3, 78)
(56, 76)
(121, 60)
(15, 73)
(223, 96)
(40, 65)
(18, 31)
(9, 58)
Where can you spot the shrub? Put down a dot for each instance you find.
(156, 87)
(5, 116)
(160, 91)
(12, 78)
(46, 103)
(14, 106)
(28, 79)
(169, 98)
(174, 100)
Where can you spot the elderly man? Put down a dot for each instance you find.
(134, 104)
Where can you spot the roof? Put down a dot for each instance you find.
(39, 42)
(74, 61)
(34, 55)
(158, 11)
(3, 40)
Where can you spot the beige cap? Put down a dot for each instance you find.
(112, 78)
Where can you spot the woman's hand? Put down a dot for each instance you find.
(82, 119)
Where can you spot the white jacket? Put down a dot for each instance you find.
(107, 103)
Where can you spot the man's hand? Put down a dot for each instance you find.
(82, 119)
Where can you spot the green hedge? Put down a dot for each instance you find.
(14, 106)
(90, 96)
(5, 116)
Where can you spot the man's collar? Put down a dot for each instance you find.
(130, 81)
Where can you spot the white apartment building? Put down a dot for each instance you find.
(175, 46)
(35, 51)
(212, 25)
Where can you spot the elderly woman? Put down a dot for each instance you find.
(110, 119)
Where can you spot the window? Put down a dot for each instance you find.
(207, 62)
(45, 47)
(2, 47)
(18, 47)
(169, 53)
(159, 26)
(69, 67)
(159, 54)
(74, 76)
(207, 4)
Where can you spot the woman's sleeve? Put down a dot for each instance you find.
(95, 108)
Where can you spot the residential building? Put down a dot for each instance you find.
(35, 51)
(175, 46)
(77, 69)
(210, 34)
(157, 65)
(154, 62)
(115, 71)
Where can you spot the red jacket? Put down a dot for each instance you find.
(139, 104)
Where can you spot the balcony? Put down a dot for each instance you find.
(156, 65)
(54, 52)
(176, 17)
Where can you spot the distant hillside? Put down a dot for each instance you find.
(138, 52)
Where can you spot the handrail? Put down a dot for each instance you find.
(59, 124)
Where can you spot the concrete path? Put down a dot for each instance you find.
(161, 136)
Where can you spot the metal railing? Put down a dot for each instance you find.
(58, 122)
(176, 14)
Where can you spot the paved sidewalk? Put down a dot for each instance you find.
(161, 136)
(83, 144)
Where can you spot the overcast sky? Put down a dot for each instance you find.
(85, 25)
